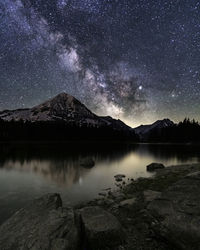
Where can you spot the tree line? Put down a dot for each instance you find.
(59, 131)
(186, 131)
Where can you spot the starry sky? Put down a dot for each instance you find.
(134, 60)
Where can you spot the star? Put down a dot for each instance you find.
(140, 87)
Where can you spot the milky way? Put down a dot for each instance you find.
(134, 60)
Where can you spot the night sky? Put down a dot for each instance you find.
(137, 60)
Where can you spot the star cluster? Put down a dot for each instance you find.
(134, 60)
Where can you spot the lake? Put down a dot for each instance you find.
(31, 170)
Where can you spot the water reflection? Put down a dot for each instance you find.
(31, 170)
(59, 163)
(172, 153)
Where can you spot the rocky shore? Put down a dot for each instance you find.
(161, 212)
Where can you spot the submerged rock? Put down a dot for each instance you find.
(87, 162)
(121, 176)
(102, 194)
(176, 213)
(154, 166)
(102, 230)
(44, 224)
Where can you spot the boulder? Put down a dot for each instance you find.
(176, 214)
(154, 166)
(101, 229)
(43, 224)
(87, 162)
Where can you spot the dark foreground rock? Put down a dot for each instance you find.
(43, 224)
(46, 225)
(154, 166)
(101, 229)
(177, 213)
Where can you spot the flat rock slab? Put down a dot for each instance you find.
(177, 213)
(101, 228)
(42, 225)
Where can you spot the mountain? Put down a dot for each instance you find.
(69, 114)
(62, 107)
(146, 131)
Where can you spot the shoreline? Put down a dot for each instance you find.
(147, 213)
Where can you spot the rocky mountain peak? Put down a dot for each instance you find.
(62, 100)
(64, 97)
(63, 105)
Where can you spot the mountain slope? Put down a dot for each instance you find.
(145, 131)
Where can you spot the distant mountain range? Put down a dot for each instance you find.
(165, 131)
(75, 116)
(146, 131)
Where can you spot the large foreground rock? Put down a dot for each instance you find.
(177, 213)
(42, 225)
(102, 230)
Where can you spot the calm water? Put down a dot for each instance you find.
(29, 171)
